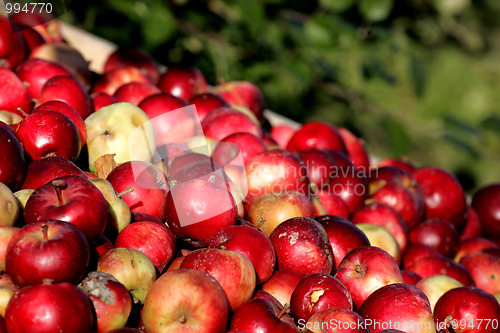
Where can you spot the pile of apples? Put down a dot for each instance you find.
(145, 200)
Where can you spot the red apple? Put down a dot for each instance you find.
(398, 306)
(172, 120)
(68, 90)
(248, 144)
(410, 277)
(328, 203)
(260, 315)
(282, 134)
(417, 251)
(152, 239)
(355, 150)
(318, 292)
(101, 246)
(472, 226)
(42, 171)
(68, 111)
(49, 133)
(135, 92)
(101, 99)
(343, 235)
(12, 46)
(275, 171)
(6, 234)
(320, 166)
(13, 166)
(302, 246)
(242, 93)
(13, 93)
(484, 269)
(149, 186)
(366, 269)
(350, 184)
(444, 196)
(111, 300)
(36, 72)
(224, 121)
(336, 320)
(271, 209)
(437, 233)
(182, 82)
(72, 199)
(185, 301)
(260, 294)
(486, 203)
(467, 310)
(32, 38)
(384, 216)
(206, 102)
(282, 284)
(440, 265)
(53, 250)
(109, 82)
(316, 134)
(231, 269)
(402, 163)
(182, 160)
(197, 210)
(60, 307)
(472, 245)
(400, 190)
(123, 57)
(252, 243)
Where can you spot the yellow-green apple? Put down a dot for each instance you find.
(72, 199)
(282, 284)
(60, 307)
(7, 290)
(382, 238)
(302, 245)
(132, 268)
(47, 250)
(318, 292)
(233, 271)
(271, 209)
(435, 286)
(122, 129)
(467, 310)
(42, 171)
(155, 240)
(252, 243)
(261, 315)
(366, 269)
(119, 215)
(185, 301)
(343, 235)
(398, 306)
(9, 206)
(111, 300)
(335, 320)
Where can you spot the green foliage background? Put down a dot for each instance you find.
(414, 78)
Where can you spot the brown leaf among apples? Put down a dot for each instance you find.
(104, 165)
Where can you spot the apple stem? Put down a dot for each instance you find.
(45, 230)
(261, 222)
(182, 319)
(285, 309)
(58, 186)
(22, 112)
(127, 191)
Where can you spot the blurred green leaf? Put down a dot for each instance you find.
(336, 5)
(418, 76)
(397, 134)
(375, 10)
(158, 25)
(462, 145)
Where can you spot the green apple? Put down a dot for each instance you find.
(122, 129)
(10, 118)
(9, 206)
(23, 196)
(380, 237)
(119, 212)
